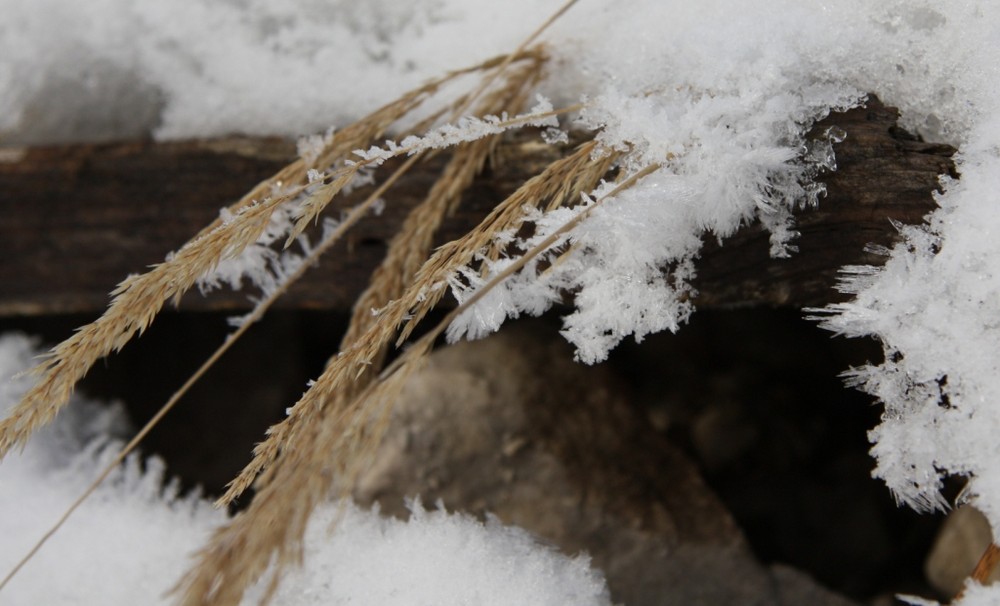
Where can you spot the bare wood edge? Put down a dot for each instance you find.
(78, 218)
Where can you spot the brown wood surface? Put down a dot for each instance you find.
(75, 220)
(883, 174)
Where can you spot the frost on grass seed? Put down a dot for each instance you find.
(465, 130)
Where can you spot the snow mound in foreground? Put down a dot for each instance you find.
(132, 540)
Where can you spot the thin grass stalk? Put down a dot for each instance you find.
(258, 312)
(271, 530)
(526, 77)
(406, 253)
(142, 297)
(562, 182)
(310, 210)
(138, 299)
(330, 448)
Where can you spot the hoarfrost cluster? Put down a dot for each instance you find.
(466, 129)
(258, 262)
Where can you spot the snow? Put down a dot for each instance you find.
(433, 558)
(934, 306)
(195, 68)
(127, 544)
(132, 540)
(716, 94)
(192, 68)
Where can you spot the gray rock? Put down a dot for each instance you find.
(512, 426)
(795, 588)
(963, 538)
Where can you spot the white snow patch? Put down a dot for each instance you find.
(127, 544)
(435, 557)
(131, 541)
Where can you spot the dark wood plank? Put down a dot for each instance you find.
(75, 220)
(883, 174)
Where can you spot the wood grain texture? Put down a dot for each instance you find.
(883, 175)
(75, 220)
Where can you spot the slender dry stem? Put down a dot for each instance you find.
(326, 452)
(406, 253)
(357, 425)
(561, 183)
(139, 298)
(251, 218)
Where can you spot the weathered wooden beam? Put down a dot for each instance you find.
(75, 220)
(883, 174)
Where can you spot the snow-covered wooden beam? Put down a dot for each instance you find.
(883, 174)
(75, 220)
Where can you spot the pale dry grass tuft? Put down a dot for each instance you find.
(407, 251)
(139, 298)
(560, 183)
(328, 444)
(330, 434)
